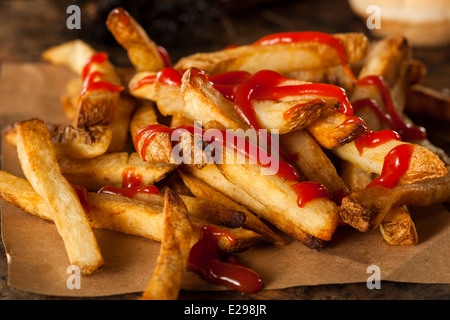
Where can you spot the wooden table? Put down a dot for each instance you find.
(29, 27)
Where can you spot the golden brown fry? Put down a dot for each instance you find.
(355, 178)
(312, 160)
(282, 58)
(118, 213)
(203, 102)
(110, 169)
(204, 191)
(330, 130)
(142, 51)
(72, 54)
(398, 228)
(40, 166)
(364, 210)
(424, 164)
(69, 141)
(160, 148)
(174, 252)
(120, 123)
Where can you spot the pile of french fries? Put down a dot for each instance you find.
(66, 165)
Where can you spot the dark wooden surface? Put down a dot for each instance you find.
(28, 27)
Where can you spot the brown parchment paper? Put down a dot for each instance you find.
(37, 261)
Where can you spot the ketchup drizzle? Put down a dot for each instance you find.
(206, 259)
(308, 191)
(395, 165)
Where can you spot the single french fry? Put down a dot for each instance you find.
(331, 130)
(204, 191)
(365, 209)
(398, 228)
(40, 166)
(424, 164)
(312, 160)
(281, 57)
(72, 54)
(142, 51)
(110, 169)
(160, 148)
(174, 252)
(69, 141)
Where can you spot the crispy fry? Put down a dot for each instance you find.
(282, 57)
(174, 252)
(160, 148)
(202, 190)
(118, 213)
(364, 210)
(72, 54)
(110, 168)
(424, 164)
(398, 228)
(312, 160)
(120, 124)
(40, 166)
(205, 103)
(142, 51)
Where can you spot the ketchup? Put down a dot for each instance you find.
(130, 178)
(374, 139)
(149, 132)
(407, 131)
(168, 76)
(309, 36)
(206, 259)
(82, 195)
(89, 83)
(308, 191)
(395, 164)
(226, 139)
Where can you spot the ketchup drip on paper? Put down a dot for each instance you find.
(206, 259)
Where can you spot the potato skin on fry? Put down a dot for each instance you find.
(40, 166)
(174, 252)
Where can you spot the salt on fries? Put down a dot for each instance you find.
(297, 92)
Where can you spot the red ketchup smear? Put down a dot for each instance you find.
(148, 133)
(308, 191)
(89, 83)
(82, 195)
(395, 165)
(206, 259)
(131, 184)
(168, 76)
(407, 131)
(309, 36)
(374, 139)
(130, 178)
(226, 139)
(164, 56)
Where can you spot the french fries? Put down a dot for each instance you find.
(174, 253)
(298, 87)
(40, 166)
